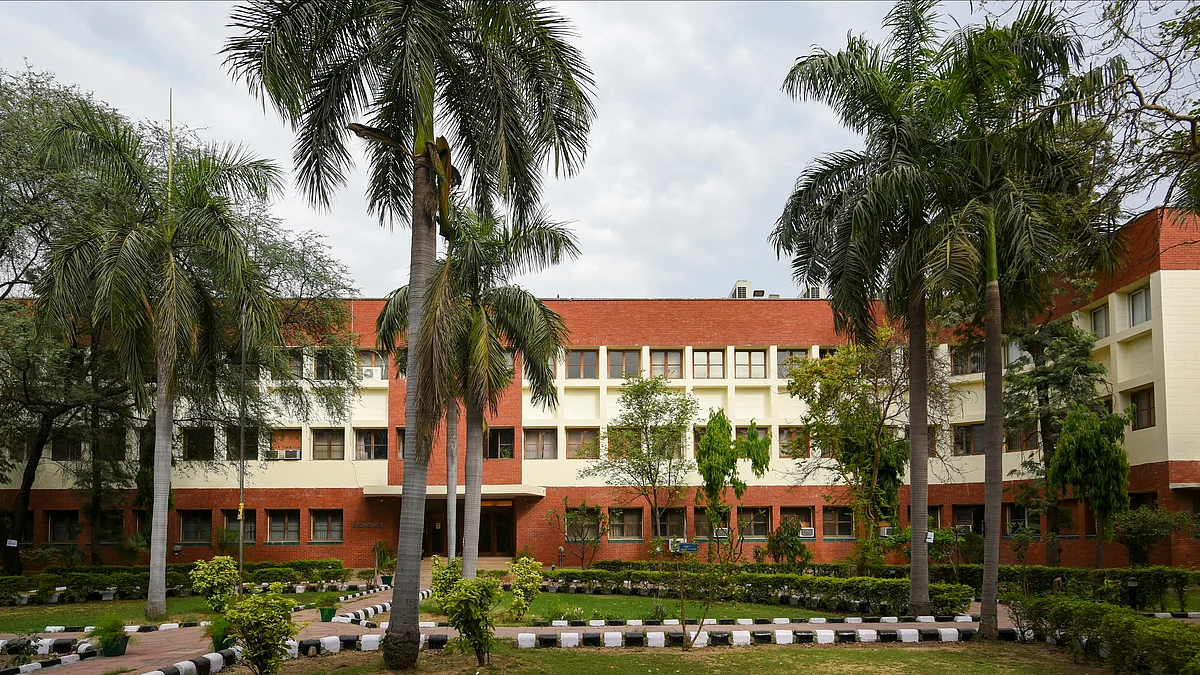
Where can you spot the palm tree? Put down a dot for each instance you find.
(169, 256)
(859, 220)
(998, 83)
(499, 78)
(475, 317)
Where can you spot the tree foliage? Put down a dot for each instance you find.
(1141, 530)
(717, 458)
(582, 527)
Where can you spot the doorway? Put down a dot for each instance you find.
(496, 529)
(434, 540)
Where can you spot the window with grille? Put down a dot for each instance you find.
(750, 364)
(195, 526)
(966, 359)
(66, 450)
(583, 443)
(285, 525)
(625, 523)
(329, 444)
(622, 362)
(1018, 516)
(708, 364)
(371, 444)
(500, 443)
(666, 363)
(1024, 440)
(248, 519)
(541, 444)
(327, 525)
(837, 521)
(582, 364)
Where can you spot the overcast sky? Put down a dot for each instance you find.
(693, 153)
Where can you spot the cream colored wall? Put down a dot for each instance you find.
(1179, 402)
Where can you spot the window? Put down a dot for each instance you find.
(66, 450)
(623, 439)
(1139, 306)
(510, 361)
(329, 444)
(968, 518)
(327, 525)
(1014, 353)
(701, 526)
(811, 293)
(801, 514)
(26, 530)
(500, 443)
(1143, 415)
(583, 443)
(1024, 440)
(1139, 499)
(285, 525)
(109, 444)
(195, 526)
(63, 526)
(111, 526)
(141, 521)
(233, 448)
(827, 352)
(623, 362)
(248, 519)
(581, 364)
(666, 363)
(787, 359)
(371, 444)
(935, 516)
(583, 524)
(1018, 516)
(708, 364)
(198, 444)
(368, 362)
(294, 362)
(965, 359)
(400, 442)
(673, 523)
(754, 522)
(931, 438)
(1100, 322)
(968, 439)
(625, 524)
(750, 364)
(324, 365)
(837, 521)
(541, 444)
(793, 442)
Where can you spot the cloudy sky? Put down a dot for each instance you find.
(692, 155)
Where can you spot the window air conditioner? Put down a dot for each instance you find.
(962, 529)
(291, 454)
(721, 533)
(808, 532)
(270, 454)
(885, 531)
(372, 373)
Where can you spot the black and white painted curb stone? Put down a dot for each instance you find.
(67, 649)
(741, 638)
(599, 623)
(202, 665)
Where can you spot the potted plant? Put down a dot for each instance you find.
(110, 635)
(365, 576)
(385, 562)
(327, 605)
(219, 631)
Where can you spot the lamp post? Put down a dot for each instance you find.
(1132, 585)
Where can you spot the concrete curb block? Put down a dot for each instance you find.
(70, 651)
(208, 664)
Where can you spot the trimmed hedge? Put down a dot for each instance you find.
(273, 575)
(1129, 642)
(880, 595)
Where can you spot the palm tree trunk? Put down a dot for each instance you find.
(402, 643)
(993, 462)
(452, 480)
(918, 454)
(164, 419)
(474, 490)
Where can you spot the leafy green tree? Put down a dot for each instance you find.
(717, 455)
(646, 445)
(499, 78)
(860, 220)
(166, 258)
(1054, 373)
(582, 527)
(1141, 530)
(1092, 463)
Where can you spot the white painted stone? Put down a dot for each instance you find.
(817, 620)
(670, 622)
(1194, 615)
(69, 658)
(741, 638)
(80, 647)
(423, 642)
(925, 619)
(963, 618)
(131, 629)
(568, 640)
(559, 623)
(745, 622)
(909, 635)
(205, 623)
(346, 619)
(633, 622)
(597, 622)
(215, 662)
(30, 667)
(699, 639)
(168, 626)
(55, 629)
(854, 619)
(948, 634)
(44, 645)
(384, 625)
(889, 619)
(526, 640)
(867, 635)
(293, 649)
(784, 637)
(1162, 615)
(612, 638)
(709, 622)
(779, 619)
(656, 639)
(186, 668)
(369, 611)
(825, 637)
(88, 629)
(331, 644)
(427, 624)
(370, 643)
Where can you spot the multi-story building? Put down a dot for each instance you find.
(323, 488)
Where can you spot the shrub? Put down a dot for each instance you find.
(444, 576)
(469, 606)
(275, 575)
(526, 585)
(559, 611)
(262, 624)
(328, 600)
(785, 544)
(1141, 530)
(949, 598)
(217, 581)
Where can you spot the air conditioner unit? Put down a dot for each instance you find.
(291, 454)
(808, 532)
(885, 531)
(371, 373)
(962, 529)
(721, 533)
(673, 544)
(270, 454)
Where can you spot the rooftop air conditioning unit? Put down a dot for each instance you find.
(291, 454)
(808, 533)
(885, 531)
(372, 373)
(270, 454)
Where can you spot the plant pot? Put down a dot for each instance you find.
(115, 648)
(386, 579)
(185, 592)
(107, 595)
(327, 613)
(222, 643)
(299, 588)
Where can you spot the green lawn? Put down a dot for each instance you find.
(960, 659)
(35, 618)
(548, 606)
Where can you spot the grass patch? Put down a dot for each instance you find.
(117, 671)
(35, 618)
(634, 607)
(955, 659)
